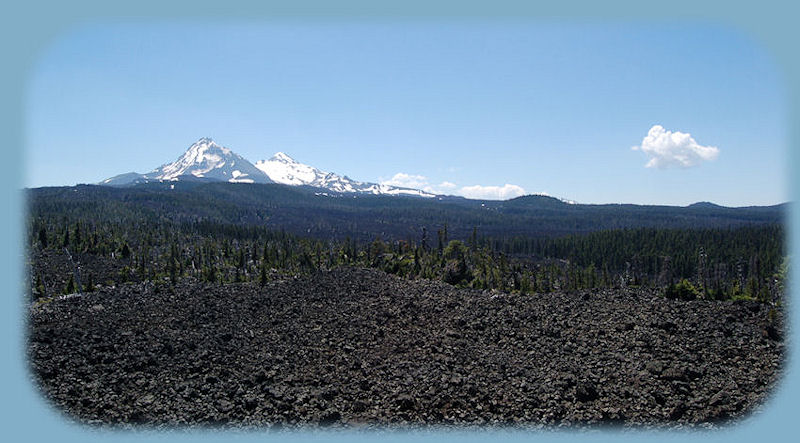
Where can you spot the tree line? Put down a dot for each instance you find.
(723, 263)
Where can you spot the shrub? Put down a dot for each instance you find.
(684, 290)
(456, 271)
(455, 250)
(70, 287)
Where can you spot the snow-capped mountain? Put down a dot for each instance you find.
(127, 178)
(205, 159)
(283, 169)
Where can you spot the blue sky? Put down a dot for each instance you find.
(483, 109)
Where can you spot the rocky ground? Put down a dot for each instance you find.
(356, 347)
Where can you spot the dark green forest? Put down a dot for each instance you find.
(84, 236)
(306, 212)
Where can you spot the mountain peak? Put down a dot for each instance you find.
(282, 157)
(704, 204)
(205, 159)
(205, 144)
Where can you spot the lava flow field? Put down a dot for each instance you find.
(360, 348)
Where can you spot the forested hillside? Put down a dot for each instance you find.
(83, 236)
(311, 212)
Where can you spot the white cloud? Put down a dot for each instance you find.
(403, 180)
(492, 192)
(667, 148)
(504, 192)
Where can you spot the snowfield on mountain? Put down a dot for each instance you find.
(206, 160)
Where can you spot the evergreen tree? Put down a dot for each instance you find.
(39, 288)
(210, 274)
(70, 287)
(43, 237)
(77, 234)
(263, 278)
(173, 271)
(90, 284)
(473, 240)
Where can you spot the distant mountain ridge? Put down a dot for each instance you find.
(285, 170)
(206, 160)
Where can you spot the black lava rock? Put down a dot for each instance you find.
(357, 346)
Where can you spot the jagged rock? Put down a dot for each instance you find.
(405, 403)
(586, 391)
(330, 418)
(772, 333)
(720, 398)
(224, 405)
(655, 367)
(677, 411)
(356, 346)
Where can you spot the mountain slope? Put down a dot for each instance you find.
(125, 179)
(204, 160)
(285, 170)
